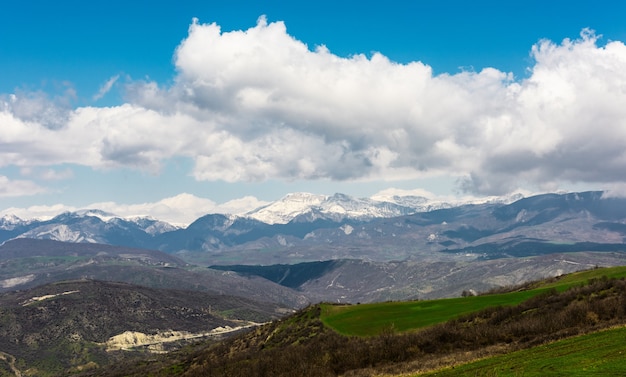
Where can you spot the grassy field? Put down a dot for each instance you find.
(372, 319)
(598, 354)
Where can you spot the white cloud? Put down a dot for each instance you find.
(106, 87)
(388, 193)
(258, 104)
(40, 212)
(181, 209)
(16, 187)
(240, 206)
(37, 107)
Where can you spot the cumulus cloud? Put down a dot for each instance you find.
(180, 209)
(17, 187)
(258, 104)
(41, 212)
(38, 107)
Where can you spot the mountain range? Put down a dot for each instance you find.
(306, 227)
(97, 226)
(295, 206)
(404, 253)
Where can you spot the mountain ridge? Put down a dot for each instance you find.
(293, 205)
(585, 221)
(97, 226)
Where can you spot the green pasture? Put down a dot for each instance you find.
(598, 354)
(372, 319)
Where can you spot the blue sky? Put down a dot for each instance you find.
(135, 107)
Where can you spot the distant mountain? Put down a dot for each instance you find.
(309, 207)
(542, 224)
(305, 228)
(92, 226)
(461, 244)
(10, 222)
(97, 226)
(27, 263)
(286, 209)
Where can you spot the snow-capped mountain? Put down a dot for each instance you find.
(88, 225)
(309, 207)
(286, 209)
(150, 225)
(97, 226)
(63, 233)
(306, 226)
(10, 222)
(424, 204)
(305, 207)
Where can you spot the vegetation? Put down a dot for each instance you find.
(372, 319)
(288, 275)
(61, 328)
(599, 354)
(303, 345)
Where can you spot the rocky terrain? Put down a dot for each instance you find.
(73, 325)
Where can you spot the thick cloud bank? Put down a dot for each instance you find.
(259, 104)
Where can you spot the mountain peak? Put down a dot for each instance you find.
(102, 215)
(287, 208)
(303, 197)
(10, 221)
(336, 207)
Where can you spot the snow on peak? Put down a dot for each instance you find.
(102, 215)
(304, 198)
(151, 225)
(287, 208)
(59, 232)
(388, 203)
(10, 221)
(338, 206)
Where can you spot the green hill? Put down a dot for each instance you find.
(305, 344)
(372, 319)
(597, 354)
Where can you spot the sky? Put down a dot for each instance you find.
(178, 109)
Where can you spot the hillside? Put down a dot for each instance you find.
(76, 324)
(359, 281)
(27, 263)
(302, 345)
(411, 315)
(598, 354)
